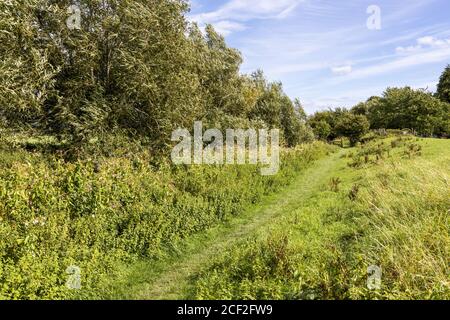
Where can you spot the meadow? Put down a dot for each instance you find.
(310, 232)
(385, 204)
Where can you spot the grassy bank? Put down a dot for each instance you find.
(385, 204)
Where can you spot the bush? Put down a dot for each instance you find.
(418, 110)
(353, 127)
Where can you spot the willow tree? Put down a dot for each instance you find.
(26, 74)
(76, 67)
(127, 62)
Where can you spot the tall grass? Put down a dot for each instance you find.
(393, 214)
(407, 229)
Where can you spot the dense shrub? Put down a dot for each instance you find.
(352, 126)
(401, 108)
(443, 88)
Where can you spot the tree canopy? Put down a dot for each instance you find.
(352, 126)
(406, 108)
(138, 65)
(443, 88)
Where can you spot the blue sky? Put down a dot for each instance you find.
(323, 50)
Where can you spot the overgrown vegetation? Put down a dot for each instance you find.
(406, 109)
(97, 214)
(443, 88)
(379, 216)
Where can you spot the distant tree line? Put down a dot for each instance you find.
(419, 111)
(135, 65)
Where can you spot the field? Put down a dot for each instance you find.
(392, 213)
(317, 238)
(137, 231)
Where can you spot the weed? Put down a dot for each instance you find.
(353, 194)
(334, 184)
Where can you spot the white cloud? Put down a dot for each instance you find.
(423, 44)
(406, 50)
(420, 58)
(342, 70)
(232, 15)
(428, 50)
(225, 27)
(328, 46)
(433, 42)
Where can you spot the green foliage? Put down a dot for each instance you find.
(293, 122)
(26, 73)
(395, 216)
(361, 109)
(332, 124)
(443, 88)
(405, 108)
(133, 65)
(98, 213)
(300, 111)
(321, 129)
(334, 184)
(255, 270)
(352, 126)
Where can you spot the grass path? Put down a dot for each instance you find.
(169, 278)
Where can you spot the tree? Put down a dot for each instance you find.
(324, 123)
(374, 112)
(352, 126)
(361, 108)
(137, 65)
(269, 104)
(293, 122)
(406, 108)
(300, 110)
(290, 123)
(130, 64)
(443, 88)
(26, 73)
(305, 132)
(224, 86)
(321, 129)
